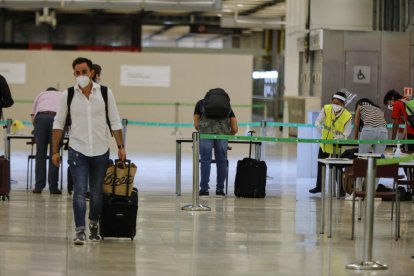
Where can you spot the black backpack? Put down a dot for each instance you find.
(217, 104)
(6, 99)
(71, 93)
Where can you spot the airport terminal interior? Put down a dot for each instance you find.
(237, 44)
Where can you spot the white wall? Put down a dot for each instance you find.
(191, 76)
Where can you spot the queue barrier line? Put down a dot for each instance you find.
(162, 104)
(305, 140)
(240, 124)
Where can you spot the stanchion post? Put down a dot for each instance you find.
(124, 129)
(367, 262)
(178, 168)
(323, 173)
(176, 118)
(196, 206)
(263, 130)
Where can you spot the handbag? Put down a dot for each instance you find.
(119, 178)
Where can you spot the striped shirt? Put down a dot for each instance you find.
(372, 116)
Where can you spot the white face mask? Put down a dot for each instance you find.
(336, 107)
(390, 107)
(82, 81)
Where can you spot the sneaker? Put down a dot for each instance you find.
(204, 193)
(80, 238)
(94, 233)
(315, 190)
(37, 191)
(220, 193)
(56, 192)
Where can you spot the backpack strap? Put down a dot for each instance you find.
(104, 91)
(71, 93)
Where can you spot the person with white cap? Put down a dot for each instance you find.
(335, 121)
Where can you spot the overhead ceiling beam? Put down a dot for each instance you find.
(261, 7)
(159, 32)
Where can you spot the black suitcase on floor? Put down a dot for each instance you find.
(4, 178)
(250, 177)
(119, 213)
(119, 216)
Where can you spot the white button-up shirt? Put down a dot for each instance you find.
(88, 133)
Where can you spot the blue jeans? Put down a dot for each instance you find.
(43, 124)
(220, 155)
(84, 170)
(373, 133)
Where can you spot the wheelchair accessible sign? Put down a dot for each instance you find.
(362, 74)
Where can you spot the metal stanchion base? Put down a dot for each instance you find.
(198, 207)
(374, 265)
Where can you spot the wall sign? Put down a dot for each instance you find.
(15, 73)
(362, 74)
(152, 76)
(408, 92)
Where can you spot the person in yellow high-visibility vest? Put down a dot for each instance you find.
(335, 122)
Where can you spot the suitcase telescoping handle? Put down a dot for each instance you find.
(251, 142)
(126, 163)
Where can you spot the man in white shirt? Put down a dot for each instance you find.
(88, 152)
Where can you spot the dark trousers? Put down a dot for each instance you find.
(321, 155)
(43, 125)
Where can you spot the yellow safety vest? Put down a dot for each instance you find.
(333, 125)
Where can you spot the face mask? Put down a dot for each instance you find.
(336, 108)
(82, 81)
(390, 107)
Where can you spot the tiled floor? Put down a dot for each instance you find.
(277, 235)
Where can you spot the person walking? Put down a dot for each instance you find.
(88, 151)
(335, 121)
(213, 115)
(43, 113)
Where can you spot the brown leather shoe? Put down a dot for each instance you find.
(37, 191)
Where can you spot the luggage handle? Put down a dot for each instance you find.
(250, 132)
(122, 164)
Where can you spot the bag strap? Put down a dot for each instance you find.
(126, 163)
(104, 92)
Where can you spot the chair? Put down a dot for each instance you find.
(385, 171)
(30, 159)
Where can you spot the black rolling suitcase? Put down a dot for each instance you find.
(250, 177)
(119, 213)
(4, 178)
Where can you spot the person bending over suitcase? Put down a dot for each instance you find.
(88, 151)
(213, 115)
(336, 123)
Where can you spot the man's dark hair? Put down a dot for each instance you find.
(392, 95)
(51, 89)
(81, 60)
(97, 70)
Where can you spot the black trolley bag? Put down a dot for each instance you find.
(119, 213)
(4, 178)
(250, 177)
